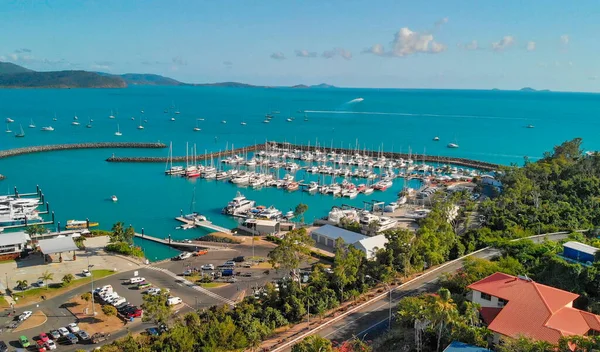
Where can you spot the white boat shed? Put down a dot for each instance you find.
(327, 235)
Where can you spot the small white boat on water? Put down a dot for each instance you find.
(75, 123)
(223, 121)
(31, 124)
(436, 138)
(140, 126)
(172, 119)
(118, 133)
(48, 128)
(452, 145)
(289, 119)
(111, 116)
(266, 121)
(243, 123)
(196, 129)
(114, 198)
(8, 129)
(9, 120)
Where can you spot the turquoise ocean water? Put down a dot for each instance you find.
(488, 125)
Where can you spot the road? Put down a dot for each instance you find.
(372, 318)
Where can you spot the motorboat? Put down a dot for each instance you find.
(9, 120)
(140, 126)
(48, 128)
(111, 116)
(172, 119)
(80, 224)
(368, 190)
(75, 123)
(238, 204)
(436, 138)
(223, 121)
(289, 119)
(132, 118)
(402, 200)
(383, 185)
(312, 187)
(243, 178)
(350, 193)
(530, 126)
(390, 208)
(292, 186)
(337, 214)
(114, 198)
(266, 121)
(386, 223)
(270, 213)
(290, 214)
(452, 145)
(243, 123)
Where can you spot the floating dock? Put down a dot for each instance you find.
(195, 245)
(205, 224)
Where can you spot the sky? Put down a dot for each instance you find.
(505, 44)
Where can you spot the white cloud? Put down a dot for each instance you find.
(328, 54)
(278, 56)
(305, 53)
(473, 45)
(407, 42)
(530, 46)
(504, 43)
(564, 39)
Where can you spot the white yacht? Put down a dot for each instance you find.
(336, 215)
(75, 123)
(48, 128)
(436, 138)
(452, 145)
(118, 133)
(239, 204)
(270, 213)
(243, 123)
(114, 198)
(243, 178)
(111, 116)
(312, 187)
(350, 193)
(390, 208)
(223, 121)
(140, 126)
(386, 223)
(289, 119)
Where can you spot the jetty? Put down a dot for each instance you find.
(191, 246)
(204, 224)
(57, 147)
(475, 164)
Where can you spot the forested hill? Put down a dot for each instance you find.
(59, 79)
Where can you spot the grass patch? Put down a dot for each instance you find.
(212, 284)
(7, 261)
(55, 289)
(3, 303)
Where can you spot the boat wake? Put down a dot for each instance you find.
(357, 100)
(414, 115)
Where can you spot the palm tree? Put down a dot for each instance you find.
(46, 276)
(22, 284)
(117, 232)
(443, 312)
(67, 279)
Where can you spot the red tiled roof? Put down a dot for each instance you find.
(488, 314)
(534, 310)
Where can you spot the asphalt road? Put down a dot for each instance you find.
(372, 320)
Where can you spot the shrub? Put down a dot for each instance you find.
(125, 249)
(109, 310)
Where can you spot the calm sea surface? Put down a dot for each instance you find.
(488, 125)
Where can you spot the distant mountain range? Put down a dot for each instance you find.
(15, 76)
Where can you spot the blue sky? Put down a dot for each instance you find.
(384, 43)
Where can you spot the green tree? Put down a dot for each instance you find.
(346, 265)
(373, 227)
(22, 284)
(300, 210)
(34, 231)
(118, 232)
(109, 310)
(313, 343)
(46, 276)
(155, 308)
(67, 279)
(443, 313)
(86, 296)
(294, 248)
(128, 235)
(80, 242)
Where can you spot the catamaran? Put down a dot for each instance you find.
(118, 133)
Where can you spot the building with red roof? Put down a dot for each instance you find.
(518, 306)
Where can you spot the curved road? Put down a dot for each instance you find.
(371, 318)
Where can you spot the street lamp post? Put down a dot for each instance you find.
(390, 299)
(92, 275)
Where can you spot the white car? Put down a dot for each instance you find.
(171, 301)
(50, 345)
(63, 331)
(40, 283)
(73, 327)
(136, 280)
(86, 273)
(25, 315)
(153, 291)
(208, 267)
(113, 299)
(118, 301)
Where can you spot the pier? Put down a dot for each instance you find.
(57, 147)
(205, 224)
(475, 164)
(195, 245)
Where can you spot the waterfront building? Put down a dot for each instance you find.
(327, 235)
(12, 244)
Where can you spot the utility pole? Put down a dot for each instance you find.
(92, 275)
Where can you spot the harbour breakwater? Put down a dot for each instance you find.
(475, 164)
(57, 147)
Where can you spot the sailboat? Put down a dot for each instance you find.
(31, 124)
(243, 123)
(75, 122)
(172, 118)
(48, 128)
(118, 133)
(196, 129)
(111, 116)
(20, 134)
(140, 127)
(8, 129)
(305, 117)
(436, 138)
(9, 120)
(54, 118)
(89, 125)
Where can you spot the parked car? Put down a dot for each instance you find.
(24, 341)
(171, 301)
(229, 263)
(121, 305)
(239, 259)
(55, 334)
(83, 336)
(185, 255)
(73, 327)
(50, 345)
(25, 315)
(3, 347)
(126, 308)
(227, 272)
(86, 273)
(105, 288)
(99, 337)
(207, 267)
(231, 280)
(44, 337)
(143, 285)
(41, 346)
(40, 283)
(63, 331)
(152, 291)
(72, 339)
(118, 301)
(135, 314)
(136, 280)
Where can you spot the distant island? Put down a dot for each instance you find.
(529, 89)
(15, 76)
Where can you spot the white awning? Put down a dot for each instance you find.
(57, 245)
